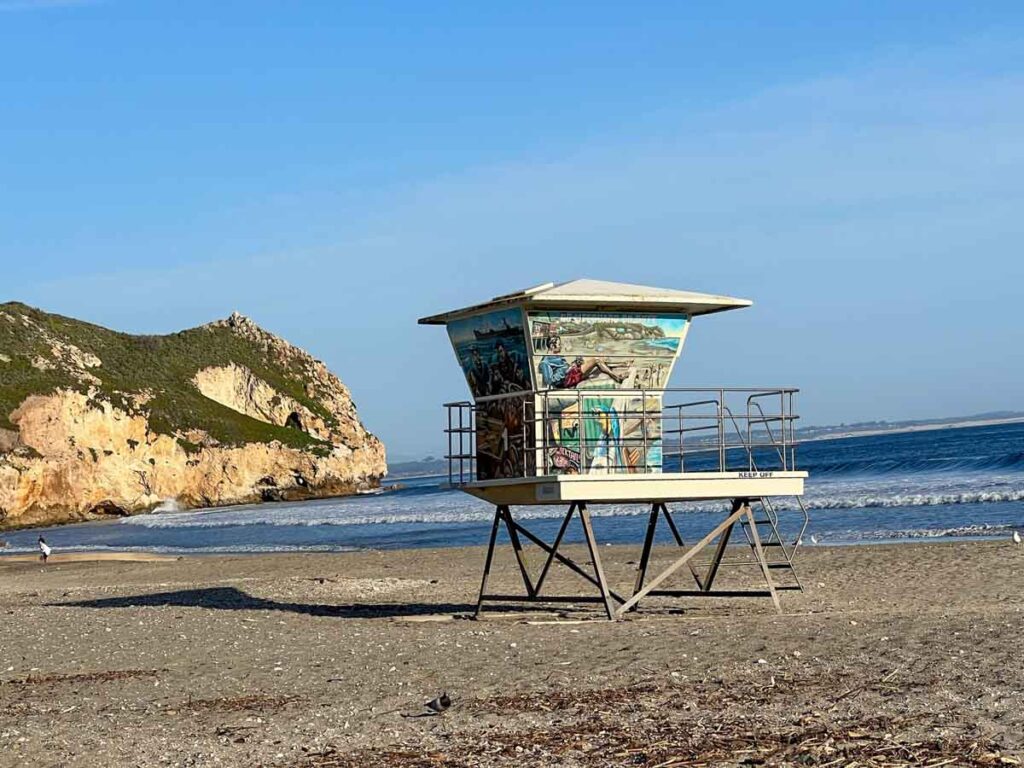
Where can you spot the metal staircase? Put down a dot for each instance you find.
(778, 553)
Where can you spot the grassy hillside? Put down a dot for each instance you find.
(162, 365)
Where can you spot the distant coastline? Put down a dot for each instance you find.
(891, 428)
(430, 466)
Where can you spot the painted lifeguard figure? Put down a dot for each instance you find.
(571, 406)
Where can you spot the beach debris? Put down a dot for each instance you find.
(1017, 539)
(668, 728)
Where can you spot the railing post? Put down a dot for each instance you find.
(522, 419)
(750, 439)
(643, 426)
(721, 430)
(462, 446)
(544, 431)
(583, 431)
(782, 411)
(682, 450)
(451, 453)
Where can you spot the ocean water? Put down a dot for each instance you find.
(951, 483)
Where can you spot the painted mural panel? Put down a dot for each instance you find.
(599, 350)
(504, 428)
(491, 349)
(613, 434)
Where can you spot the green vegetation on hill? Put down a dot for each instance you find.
(161, 365)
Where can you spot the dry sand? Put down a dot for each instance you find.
(894, 655)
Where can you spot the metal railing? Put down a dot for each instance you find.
(544, 432)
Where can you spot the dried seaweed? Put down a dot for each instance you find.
(704, 724)
(84, 677)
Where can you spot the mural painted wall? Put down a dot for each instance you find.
(504, 429)
(594, 352)
(491, 349)
(599, 350)
(613, 434)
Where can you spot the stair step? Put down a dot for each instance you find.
(775, 566)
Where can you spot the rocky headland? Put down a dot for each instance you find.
(95, 423)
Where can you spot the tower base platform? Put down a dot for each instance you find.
(759, 528)
(637, 488)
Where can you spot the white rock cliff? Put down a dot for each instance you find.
(76, 455)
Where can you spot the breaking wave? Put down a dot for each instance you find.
(456, 509)
(910, 534)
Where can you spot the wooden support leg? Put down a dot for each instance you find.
(487, 561)
(595, 558)
(645, 553)
(552, 553)
(760, 556)
(517, 547)
(672, 526)
(720, 550)
(679, 540)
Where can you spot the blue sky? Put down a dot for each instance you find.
(337, 170)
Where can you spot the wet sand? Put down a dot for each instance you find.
(88, 557)
(893, 655)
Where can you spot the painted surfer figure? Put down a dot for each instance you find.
(558, 373)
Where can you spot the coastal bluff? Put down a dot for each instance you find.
(96, 423)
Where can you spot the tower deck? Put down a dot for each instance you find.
(646, 488)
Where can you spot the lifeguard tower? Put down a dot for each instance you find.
(570, 406)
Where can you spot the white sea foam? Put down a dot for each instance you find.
(454, 507)
(903, 534)
(167, 505)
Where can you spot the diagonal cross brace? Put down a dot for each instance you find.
(738, 511)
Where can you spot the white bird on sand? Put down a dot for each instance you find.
(1017, 539)
(814, 539)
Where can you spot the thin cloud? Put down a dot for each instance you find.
(40, 5)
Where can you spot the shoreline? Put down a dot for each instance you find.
(143, 554)
(89, 556)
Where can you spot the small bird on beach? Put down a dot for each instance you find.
(440, 704)
(44, 548)
(1016, 538)
(814, 539)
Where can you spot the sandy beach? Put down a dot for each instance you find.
(894, 655)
